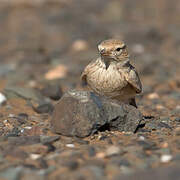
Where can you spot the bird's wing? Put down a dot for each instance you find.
(87, 69)
(84, 78)
(133, 79)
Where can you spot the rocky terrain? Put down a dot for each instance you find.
(44, 46)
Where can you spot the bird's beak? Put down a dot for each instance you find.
(107, 63)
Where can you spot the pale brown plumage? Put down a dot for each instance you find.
(111, 74)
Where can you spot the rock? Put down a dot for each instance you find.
(58, 72)
(119, 161)
(112, 150)
(177, 131)
(164, 173)
(177, 119)
(175, 95)
(147, 145)
(70, 145)
(44, 108)
(50, 147)
(14, 132)
(2, 99)
(153, 96)
(165, 158)
(30, 174)
(96, 162)
(22, 118)
(24, 140)
(52, 91)
(71, 164)
(82, 113)
(6, 69)
(90, 172)
(35, 149)
(91, 151)
(79, 45)
(29, 94)
(80, 141)
(12, 173)
(49, 139)
(158, 123)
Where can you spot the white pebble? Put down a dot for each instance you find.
(22, 130)
(178, 107)
(112, 150)
(80, 45)
(5, 121)
(142, 138)
(35, 156)
(32, 83)
(166, 158)
(11, 116)
(28, 127)
(70, 145)
(3, 99)
(153, 96)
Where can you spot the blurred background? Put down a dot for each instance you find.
(51, 41)
(44, 47)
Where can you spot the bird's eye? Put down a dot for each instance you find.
(118, 49)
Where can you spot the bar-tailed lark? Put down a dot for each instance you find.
(111, 74)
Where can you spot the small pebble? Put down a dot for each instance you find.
(44, 108)
(166, 158)
(48, 139)
(52, 91)
(35, 156)
(80, 141)
(112, 150)
(80, 45)
(32, 84)
(91, 151)
(11, 116)
(28, 127)
(102, 137)
(58, 72)
(141, 138)
(70, 145)
(22, 130)
(177, 131)
(22, 118)
(177, 119)
(178, 107)
(100, 155)
(165, 145)
(153, 96)
(5, 121)
(160, 106)
(72, 164)
(126, 170)
(3, 99)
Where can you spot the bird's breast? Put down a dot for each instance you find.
(106, 81)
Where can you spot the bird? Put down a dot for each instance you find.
(111, 74)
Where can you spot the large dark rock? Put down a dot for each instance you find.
(81, 113)
(164, 173)
(52, 91)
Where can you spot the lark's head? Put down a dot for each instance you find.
(113, 49)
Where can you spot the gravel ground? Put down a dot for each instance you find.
(44, 46)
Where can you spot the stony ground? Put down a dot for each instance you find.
(44, 46)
